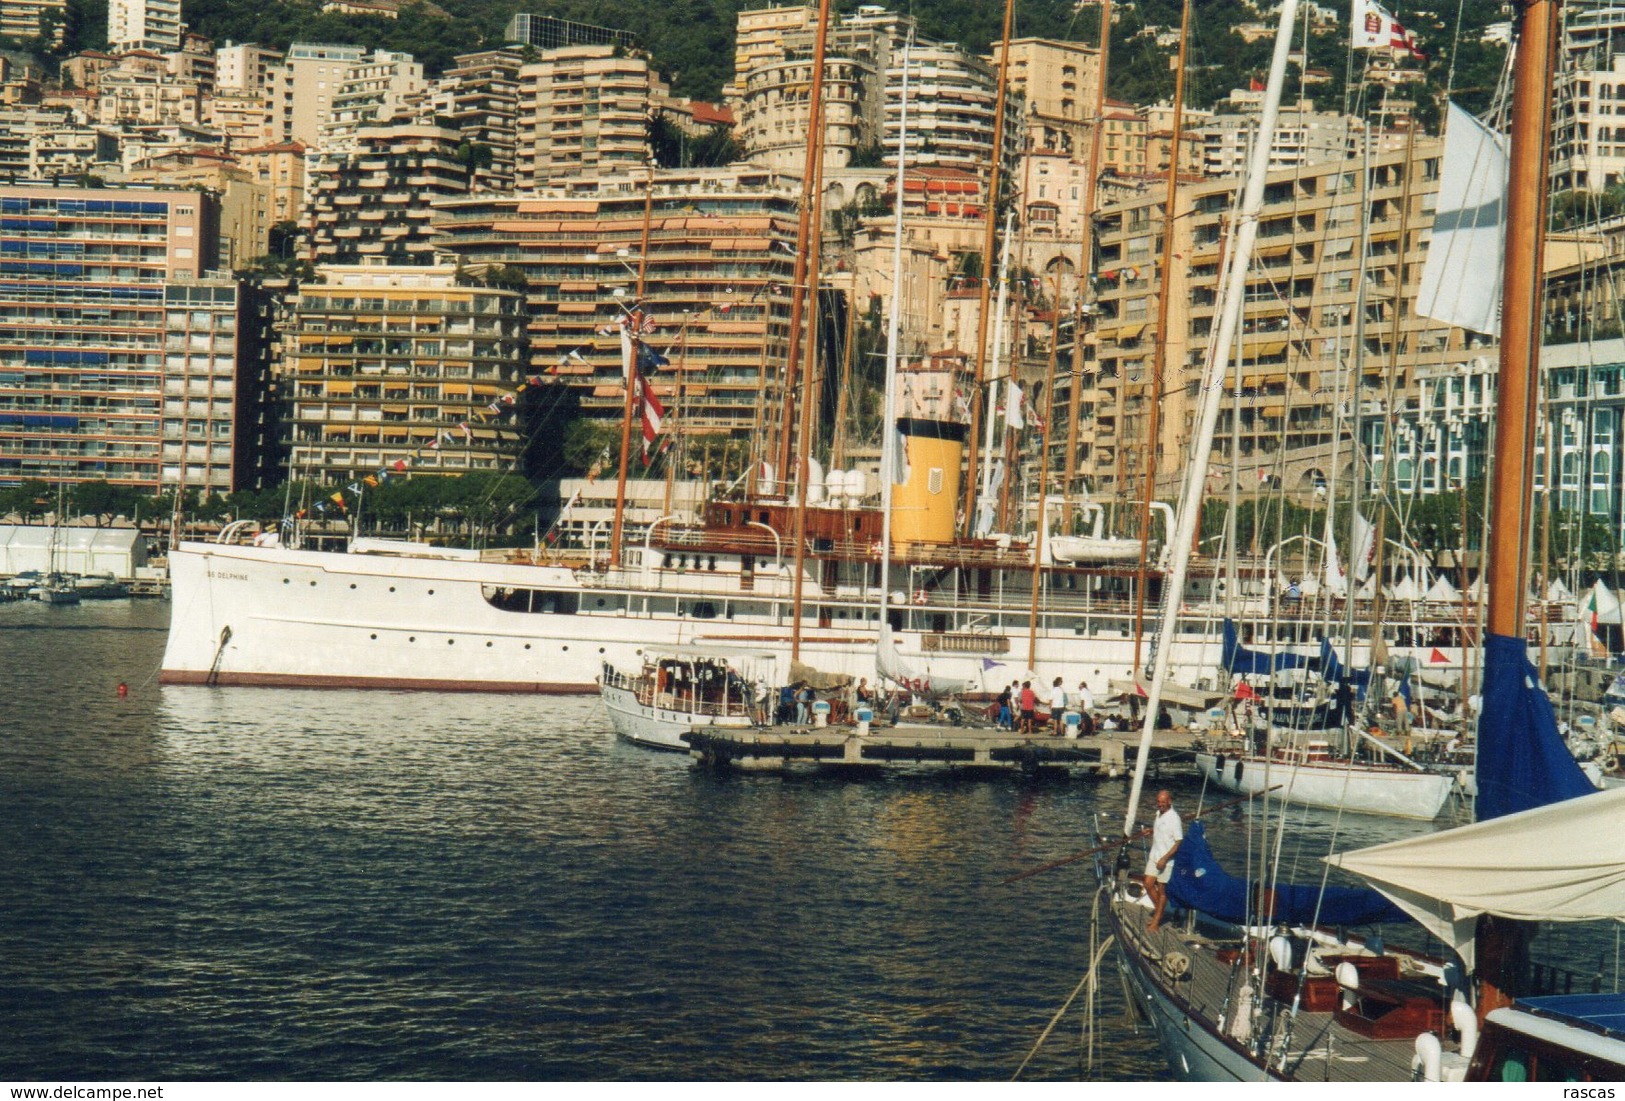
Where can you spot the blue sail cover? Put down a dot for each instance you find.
(1522, 761)
(1333, 671)
(1200, 884)
(1238, 659)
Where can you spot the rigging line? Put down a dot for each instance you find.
(1087, 980)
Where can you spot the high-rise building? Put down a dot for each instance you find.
(1059, 82)
(380, 363)
(26, 20)
(144, 25)
(243, 68)
(582, 110)
(301, 91)
(373, 90)
(373, 204)
(717, 278)
(479, 98)
(121, 357)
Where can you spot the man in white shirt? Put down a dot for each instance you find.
(1166, 834)
(1057, 707)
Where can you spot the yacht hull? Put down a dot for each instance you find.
(1363, 789)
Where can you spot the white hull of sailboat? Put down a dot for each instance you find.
(1363, 789)
(659, 727)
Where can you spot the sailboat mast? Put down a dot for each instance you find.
(631, 369)
(889, 459)
(1043, 485)
(1515, 406)
(1159, 360)
(805, 228)
(979, 398)
(1086, 234)
(1232, 300)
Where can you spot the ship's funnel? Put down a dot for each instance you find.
(923, 507)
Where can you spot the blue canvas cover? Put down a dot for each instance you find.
(1522, 761)
(1199, 883)
(1333, 670)
(1238, 659)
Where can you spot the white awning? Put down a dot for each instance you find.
(1554, 863)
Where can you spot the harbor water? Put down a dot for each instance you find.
(253, 884)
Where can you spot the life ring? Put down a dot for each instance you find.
(919, 596)
(1609, 762)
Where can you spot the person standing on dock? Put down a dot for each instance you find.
(1004, 721)
(1029, 705)
(1057, 707)
(1166, 835)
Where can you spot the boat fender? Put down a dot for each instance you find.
(1238, 772)
(1176, 966)
(1218, 765)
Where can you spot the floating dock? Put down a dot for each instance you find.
(958, 748)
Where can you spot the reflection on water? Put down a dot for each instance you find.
(269, 884)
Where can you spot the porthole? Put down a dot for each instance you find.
(527, 646)
(313, 584)
(451, 642)
(487, 645)
(352, 584)
(600, 649)
(411, 638)
(373, 637)
(285, 581)
(566, 648)
(431, 592)
(392, 588)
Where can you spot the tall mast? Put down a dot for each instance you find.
(1086, 235)
(812, 213)
(1502, 945)
(805, 228)
(1231, 301)
(978, 398)
(630, 370)
(889, 459)
(1043, 485)
(1159, 360)
(1527, 183)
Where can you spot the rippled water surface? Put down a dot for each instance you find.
(267, 884)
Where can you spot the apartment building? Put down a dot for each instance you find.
(382, 365)
(1305, 362)
(280, 169)
(717, 277)
(41, 143)
(582, 110)
(376, 89)
(245, 203)
(1303, 136)
(301, 90)
(26, 20)
(479, 98)
(103, 374)
(245, 67)
(1059, 83)
(373, 204)
(144, 25)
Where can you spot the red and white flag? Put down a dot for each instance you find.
(653, 414)
(1374, 28)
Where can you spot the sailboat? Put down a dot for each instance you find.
(1259, 986)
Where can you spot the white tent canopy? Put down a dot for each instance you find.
(1602, 603)
(1443, 591)
(1557, 592)
(1554, 863)
(1407, 589)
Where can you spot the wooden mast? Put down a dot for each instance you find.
(1086, 236)
(805, 227)
(1043, 488)
(807, 260)
(1502, 945)
(1159, 358)
(990, 223)
(630, 370)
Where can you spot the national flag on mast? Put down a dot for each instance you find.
(653, 414)
(1374, 28)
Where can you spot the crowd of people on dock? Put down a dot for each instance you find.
(1019, 707)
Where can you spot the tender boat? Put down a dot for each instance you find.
(680, 689)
